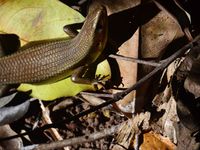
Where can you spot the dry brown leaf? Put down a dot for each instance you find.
(187, 106)
(153, 141)
(128, 70)
(132, 128)
(14, 144)
(114, 6)
(168, 119)
(192, 85)
(188, 72)
(156, 35)
(165, 102)
(192, 82)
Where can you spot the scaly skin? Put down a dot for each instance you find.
(43, 60)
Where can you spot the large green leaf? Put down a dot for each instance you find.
(64, 87)
(36, 19)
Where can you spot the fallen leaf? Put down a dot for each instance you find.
(128, 47)
(192, 82)
(187, 105)
(13, 113)
(45, 19)
(64, 87)
(6, 99)
(14, 144)
(156, 142)
(156, 37)
(186, 140)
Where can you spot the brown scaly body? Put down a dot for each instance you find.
(42, 60)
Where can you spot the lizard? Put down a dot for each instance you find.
(57, 59)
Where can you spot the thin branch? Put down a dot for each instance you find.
(139, 61)
(118, 96)
(98, 94)
(46, 118)
(136, 145)
(77, 140)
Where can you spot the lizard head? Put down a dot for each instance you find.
(95, 31)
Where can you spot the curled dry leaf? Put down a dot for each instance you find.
(184, 84)
(63, 104)
(192, 82)
(188, 72)
(156, 141)
(192, 85)
(92, 99)
(5, 100)
(184, 138)
(165, 103)
(166, 106)
(14, 144)
(128, 48)
(156, 36)
(132, 127)
(13, 113)
(168, 119)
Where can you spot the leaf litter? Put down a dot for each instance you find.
(159, 122)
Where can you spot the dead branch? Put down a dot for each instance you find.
(77, 140)
(139, 61)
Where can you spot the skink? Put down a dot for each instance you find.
(43, 60)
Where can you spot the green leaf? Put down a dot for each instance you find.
(36, 19)
(64, 87)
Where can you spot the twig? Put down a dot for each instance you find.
(77, 140)
(98, 94)
(118, 96)
(136, 145)
(139, 61)
(46, 118)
